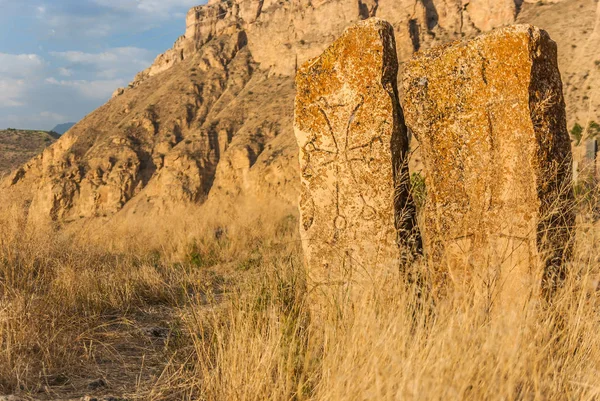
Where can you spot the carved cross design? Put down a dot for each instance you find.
(343, 155)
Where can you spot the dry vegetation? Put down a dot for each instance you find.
(18, 146)
(228, 319)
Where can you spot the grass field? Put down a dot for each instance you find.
(229, 319)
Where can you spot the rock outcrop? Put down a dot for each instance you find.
(165, 142)
(353, 148)
(490, 117)
(211, 119)
(282, 35)
(210, 122)
(575, 26)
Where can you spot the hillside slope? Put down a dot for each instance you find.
(18, 146)
(210, 122)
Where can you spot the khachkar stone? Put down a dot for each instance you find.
(355, 209)
(489, 115)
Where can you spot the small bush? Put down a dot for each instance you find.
(577, 133)
(419, 189)
(593, 129)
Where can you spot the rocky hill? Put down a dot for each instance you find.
(18, 146)
(210, 122)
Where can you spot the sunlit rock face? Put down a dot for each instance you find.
(355, 202)
(490, 117)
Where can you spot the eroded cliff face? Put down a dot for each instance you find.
(282, 35)
(210, 122)
(168, 141)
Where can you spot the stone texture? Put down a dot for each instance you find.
(490, 117)
(282, 35)
(353, 142)
(210, 121)
(489, 14)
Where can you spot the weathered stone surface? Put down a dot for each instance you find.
(490, 117)
(352, 140)
(488, 14)
(284, 34)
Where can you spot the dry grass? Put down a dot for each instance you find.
(18, 146)
(67, 311)
(236, 312)
(388, 348)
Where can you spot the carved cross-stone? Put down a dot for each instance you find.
(353, 145)
(490, 118)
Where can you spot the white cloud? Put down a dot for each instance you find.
(158, 8)
(48, 115)
(20, 65)
(97, 19)
(18, 73)
(111, 56)
(36, 91)
(44, 120)
(63, 25)
(12, 92)
(65, 72)
(111, 64)
(94, 89)
(162, 6)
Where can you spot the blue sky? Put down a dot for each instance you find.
(61, 59)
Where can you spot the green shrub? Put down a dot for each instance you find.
(593, 129)
(418, 189)
(577, 133)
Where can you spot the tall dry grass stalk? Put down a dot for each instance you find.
(388, 346)
(60, 303)
(241, 329)
(391, 342)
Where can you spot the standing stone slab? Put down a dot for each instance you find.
(489, 115)
(353, 142)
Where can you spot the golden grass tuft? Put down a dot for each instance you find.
(236, 311)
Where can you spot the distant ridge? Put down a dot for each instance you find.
(62, 128)
(17, 146)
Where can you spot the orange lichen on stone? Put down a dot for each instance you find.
(490, 117)
(355, 205)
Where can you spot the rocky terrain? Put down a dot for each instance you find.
(575, 26)
(209, 123)
(18, 146)
(218, 312)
